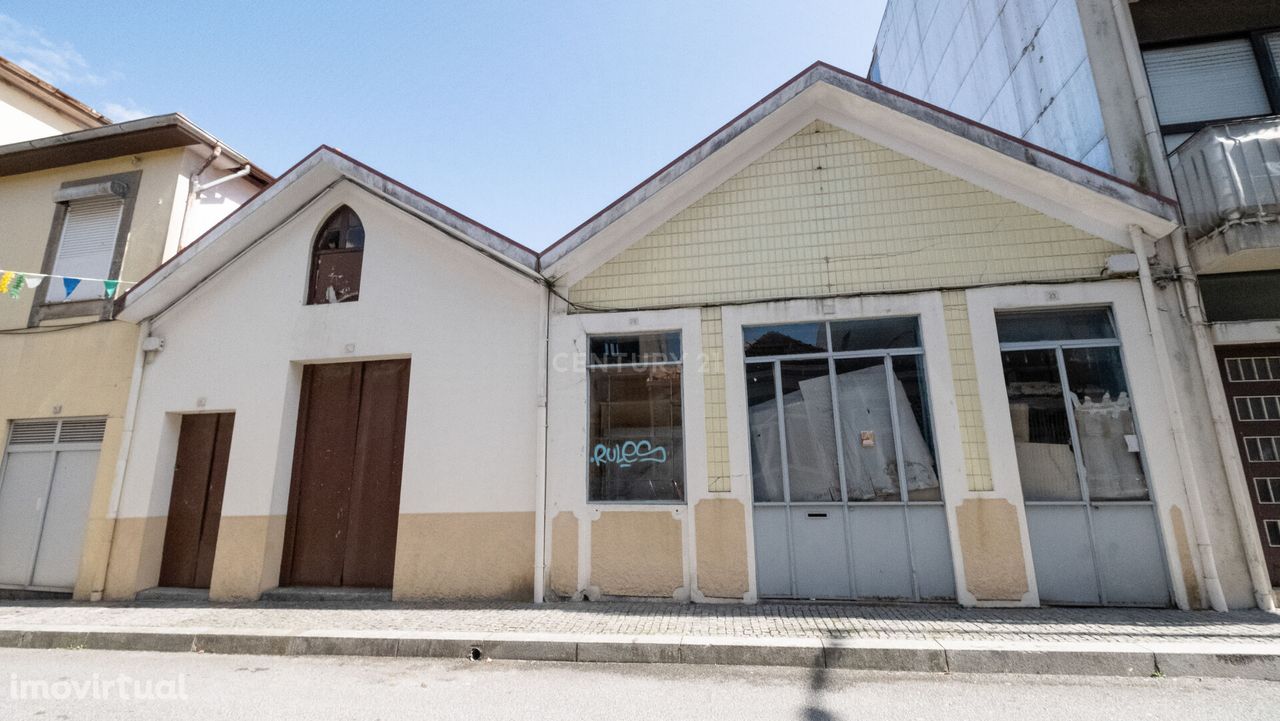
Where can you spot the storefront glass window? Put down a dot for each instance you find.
(636, 450)
(1069, 403)
(872, 442)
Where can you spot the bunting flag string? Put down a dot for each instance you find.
(13, 282)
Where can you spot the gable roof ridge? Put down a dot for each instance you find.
(823, 72)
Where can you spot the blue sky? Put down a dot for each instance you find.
(527, 116)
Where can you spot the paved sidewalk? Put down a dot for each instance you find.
(883, 637)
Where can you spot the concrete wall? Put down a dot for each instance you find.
(1026, 67)
(471, 330)
(828, 213)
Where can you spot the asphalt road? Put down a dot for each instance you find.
(62, 685)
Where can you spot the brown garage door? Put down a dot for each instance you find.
(344, 501)
(1251, 376)
(195, 502)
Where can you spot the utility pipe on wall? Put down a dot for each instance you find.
(1220, 413)
(122, 457)
(540, 462)
(1199, 523)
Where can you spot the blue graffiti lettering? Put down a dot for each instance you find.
(625, 454)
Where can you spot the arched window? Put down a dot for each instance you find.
(336, 258)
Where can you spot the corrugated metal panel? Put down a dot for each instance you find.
(1228, 172)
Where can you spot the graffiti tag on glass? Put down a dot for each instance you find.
(628, 453)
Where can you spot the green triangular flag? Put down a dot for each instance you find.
(15, 287)
(110, 287)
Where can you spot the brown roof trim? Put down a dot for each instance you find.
(810, 75)
(50, 95)
(143, 135)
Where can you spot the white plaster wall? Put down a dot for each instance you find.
(469, 326)
(211, 206)
(1020, 66)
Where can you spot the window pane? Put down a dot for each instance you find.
(916, 430)
(1054, 325)
(810, 431)
(632, 349)
(766, 439)
(636, 441)
(1041, 433)
(1104, 422)
(1241, 296)
(1208, 81)
(785, 339)
(874, 334)
(866, 430)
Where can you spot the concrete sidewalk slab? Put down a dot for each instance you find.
(1253, 661)
(919, 638)
(1061, 658)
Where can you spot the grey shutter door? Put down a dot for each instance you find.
(1205, 82)
(87, 246)
(46, 482)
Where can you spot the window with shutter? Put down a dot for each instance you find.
(87, 246)
(1207, 81)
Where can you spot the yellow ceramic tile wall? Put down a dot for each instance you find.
(830, 213)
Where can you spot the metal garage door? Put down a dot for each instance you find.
(45, 485)
(847, 500)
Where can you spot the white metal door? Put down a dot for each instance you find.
(45, 486)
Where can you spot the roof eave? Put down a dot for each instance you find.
(157, 132)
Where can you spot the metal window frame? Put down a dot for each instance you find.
(1086, 501)
(1272, 484)
(683, 501)
(41, 308)
(54, 450)
(1267, 525)
(887, 355)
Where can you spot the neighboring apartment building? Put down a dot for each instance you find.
(32, 108)
(1181, 97)
(84, 213)
(810, 358)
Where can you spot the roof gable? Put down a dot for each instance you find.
(299, 187)
(827, 212)
(1072, 192)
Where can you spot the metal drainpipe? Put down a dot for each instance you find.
(1199, 524)
(540, 467)
(122, 457)
(193, 187)
(1220, 414)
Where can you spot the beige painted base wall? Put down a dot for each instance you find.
(563, 576)
(465, 556)
(991, 547)
(135, 556)
(637, 553)
(721, 538)
(247, 559)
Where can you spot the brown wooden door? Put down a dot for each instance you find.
(195, 501)
(1251, 377)
(344, 500)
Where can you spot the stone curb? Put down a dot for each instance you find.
(1222, 660)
